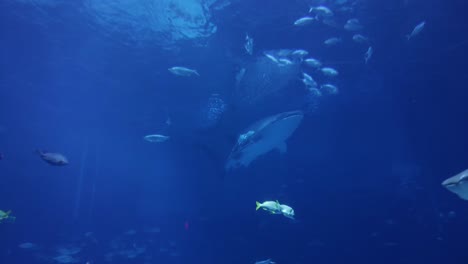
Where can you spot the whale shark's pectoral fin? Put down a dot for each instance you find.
(282, 147)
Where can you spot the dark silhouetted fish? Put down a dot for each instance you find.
(55, 159)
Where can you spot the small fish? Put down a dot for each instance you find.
(248, 44)
(268, 261)
(416, 30)
(300, 53)
(304, 21)
(183, 71)
(156, 138)
(368, 54)
(358, 38)
(322, 11)
(329, 88)
(313, 63)
(458, 184)
(353, 24)
(270, 206)
(284, 62)
(55, 159)
(329, 72)
(315, 92)
(287, 211)
(308, 81)
(272, 58)
(332, 41)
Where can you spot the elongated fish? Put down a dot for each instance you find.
(417, 29)
(262, 137)
(303, 21)
(458, 184)
(156, 138)
(55, 159)
(368, 54)
(183, 71)
(322, 11)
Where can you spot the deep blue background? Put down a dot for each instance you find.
(363, 172)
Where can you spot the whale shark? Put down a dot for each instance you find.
(458, 184)
(262, 137)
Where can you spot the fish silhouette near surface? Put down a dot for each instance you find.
(55, 159)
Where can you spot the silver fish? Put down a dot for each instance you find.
(183, 71)
(156, 138)
(358, 38)
(332, 41)
(353, 25)
(55, 159)
(322, 11)
(368, 54)
(329, 72)
(417, 29)
(304, 21)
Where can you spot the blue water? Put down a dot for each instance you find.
(363, 171)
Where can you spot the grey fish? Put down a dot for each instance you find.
(262, 137)
(458, 184)
(416, 30)
(183, 71)
(268, 261)
(55, 159)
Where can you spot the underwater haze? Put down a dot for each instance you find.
(233, 131)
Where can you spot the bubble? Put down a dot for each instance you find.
(213, 110)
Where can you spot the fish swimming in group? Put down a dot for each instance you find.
(274, 207)
(353, 24)
(417, 29)
(262, 137)
(299, 53)
(304, 21)
(272, 58)
(308, 81)
(156, 138)
(183, 71)
(271, 206)
(329, 88)
(286, 210)
(329, 72)
(332, 41)
(358, 38)
(368, 54)
(458, 184)
(55, 159)
(313, 63)
(322, 11)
